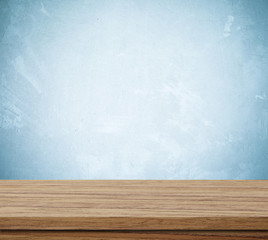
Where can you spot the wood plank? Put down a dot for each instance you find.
(134, 204)
(130, 235)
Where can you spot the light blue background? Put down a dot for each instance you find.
(143, 89)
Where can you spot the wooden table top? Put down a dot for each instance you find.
(134, 204)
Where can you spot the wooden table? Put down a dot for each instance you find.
(133, 209)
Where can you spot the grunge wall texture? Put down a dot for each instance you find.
(134, 89)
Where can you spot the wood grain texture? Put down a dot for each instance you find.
(134, 204)
(137, 235)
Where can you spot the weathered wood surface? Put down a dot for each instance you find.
(134, 204)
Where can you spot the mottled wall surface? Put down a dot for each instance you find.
(136, 89)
